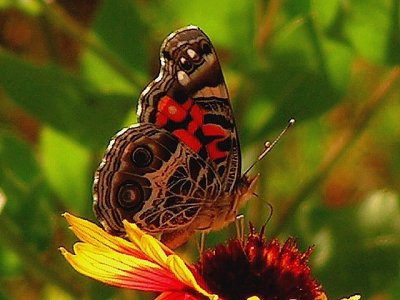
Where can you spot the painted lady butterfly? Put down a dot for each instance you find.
(178, 170)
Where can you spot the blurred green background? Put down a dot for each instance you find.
(70, 75)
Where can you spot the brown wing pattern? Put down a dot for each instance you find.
(149, 177)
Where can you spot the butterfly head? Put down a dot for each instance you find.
(188, 55)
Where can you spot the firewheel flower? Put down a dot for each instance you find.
(251, 269)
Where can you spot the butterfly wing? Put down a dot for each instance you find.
(189, 98)
(150, 178)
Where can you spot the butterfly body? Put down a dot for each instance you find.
(178, 170)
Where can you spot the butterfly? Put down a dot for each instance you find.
(178, 170)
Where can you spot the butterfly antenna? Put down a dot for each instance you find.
(271, 212)
(268, 146)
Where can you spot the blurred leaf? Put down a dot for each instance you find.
(10, 264)
(339, 59)
(25, 190)
(325, 11)
(122, 29)
(379, 214)
(101, 75)
(52, 292)
(297, 92)
(5, 4)
(226, 24)
(394, 34)
(64, 101)
(367, 27)
(357, 249)
(298, 8)
(395, 290)
(306, 75)
(29, 7)
(17, 162)
(66, 166)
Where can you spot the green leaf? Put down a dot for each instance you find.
(28, 7)
(10, 265)
(393, 54)
(121, 28)
(64, 101)
(26, 192)
(297, 91)
(104, 77)
(367, 27)
(325, 11)
(226, 24)
(66, 166)
(357, 248)
(305, 75)
(17, 163)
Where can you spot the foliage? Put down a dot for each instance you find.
(70, 76)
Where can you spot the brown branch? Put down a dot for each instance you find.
(266, 24)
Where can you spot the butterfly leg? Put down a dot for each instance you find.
(202, 241)
(239, 225)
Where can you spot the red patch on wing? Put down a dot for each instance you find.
(197, 114)
(212, 148)
(197, 119)
(214, 130)
(188, 104)
(188, 138)
(169, 109)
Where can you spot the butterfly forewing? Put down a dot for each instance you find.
(189, 98)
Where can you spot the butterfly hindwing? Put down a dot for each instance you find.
(152, 179)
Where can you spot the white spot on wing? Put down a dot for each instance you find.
(183, 78)
(191, 53)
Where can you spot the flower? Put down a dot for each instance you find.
(255, 267)
(252, 269)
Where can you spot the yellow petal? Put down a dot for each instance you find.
(151, 247)
(135, 234)
(99, 264)
(111, 258)
(90, 233)
(119, 269)
(182, 272)
(355, 297)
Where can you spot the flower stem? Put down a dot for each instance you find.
(344, 144)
